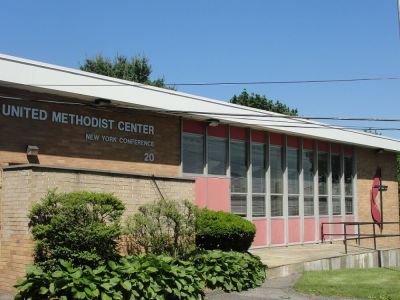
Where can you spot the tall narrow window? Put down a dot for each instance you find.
(336, 190)
(238, 177)
(276, 172)
(193, 153)
(323, 183)
(293, 181)
(258, 179)
(308, 171)
(216, 155)
(348, 184)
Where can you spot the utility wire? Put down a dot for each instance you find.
(296, 122)
(223, 82)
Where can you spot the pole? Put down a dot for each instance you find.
(381, 197)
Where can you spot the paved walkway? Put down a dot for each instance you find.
(280, 256)
(273, 289)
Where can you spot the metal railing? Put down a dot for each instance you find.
(357, 236)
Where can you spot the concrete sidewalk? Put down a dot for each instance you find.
(273, 289)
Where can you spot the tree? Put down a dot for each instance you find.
(137, 69)
(261, 102)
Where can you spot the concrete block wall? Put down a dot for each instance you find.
(25, 185)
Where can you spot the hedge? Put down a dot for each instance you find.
(224, 231)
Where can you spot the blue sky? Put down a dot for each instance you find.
(230, 40)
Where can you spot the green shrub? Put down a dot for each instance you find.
(224, 231)
(163, 227)
(230, 271)
(140, 277)
(82, 227)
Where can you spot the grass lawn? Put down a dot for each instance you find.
(382, 284)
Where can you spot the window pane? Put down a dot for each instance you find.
(348, 175)
(276, 169)
(238, 167)
(238, 205)
(216, 156)
(335, 162)
(308, 206)
(308, 169)
(293, 206)
(293, 171)
(258, 167)
(276, 206)
(349, 205)
(193, 154)
(336, 206)
(258, 206)
(323, 206)
(322, 173)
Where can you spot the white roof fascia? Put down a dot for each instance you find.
(59, 80)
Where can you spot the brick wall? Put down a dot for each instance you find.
(23, 186)
(367, 162)
(67, 144)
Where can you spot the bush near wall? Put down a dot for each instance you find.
(224, 231)
(163, 227)
(230, 271)
(134, 277)
(82, 227)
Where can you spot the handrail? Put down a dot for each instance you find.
(358, 235)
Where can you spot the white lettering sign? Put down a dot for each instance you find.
(23, 112)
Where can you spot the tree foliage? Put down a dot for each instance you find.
(82, 227)
(261, 102)
(137, 68)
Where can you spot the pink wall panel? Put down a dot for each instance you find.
(294, 230)
(326, 228)
(213, 193)
(309, 229)
(277, 231)
(201, 192)
(261, 234)
(219, 194)
(337, 228)
(351, 229)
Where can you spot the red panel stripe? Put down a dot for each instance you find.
(308, 144)
(335, 148)
(258, 136)
(218, 131)
(276, 138)
(238, 133)
(293, 141)
(193, 126)
(348, 150)
(322, 146)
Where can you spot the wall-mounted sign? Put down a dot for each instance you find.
(15, 111)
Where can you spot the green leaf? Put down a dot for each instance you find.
(104, 296)
(52, 288)
(151, 270)
(57, 274)
(126, 285)
(43, 290)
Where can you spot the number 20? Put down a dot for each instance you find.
(149, 157)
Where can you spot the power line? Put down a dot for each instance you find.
(284, 82)
(137, 84)
(296, 122)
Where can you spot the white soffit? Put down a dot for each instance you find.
(87, 86)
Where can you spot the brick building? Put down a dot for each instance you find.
(71, 130)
